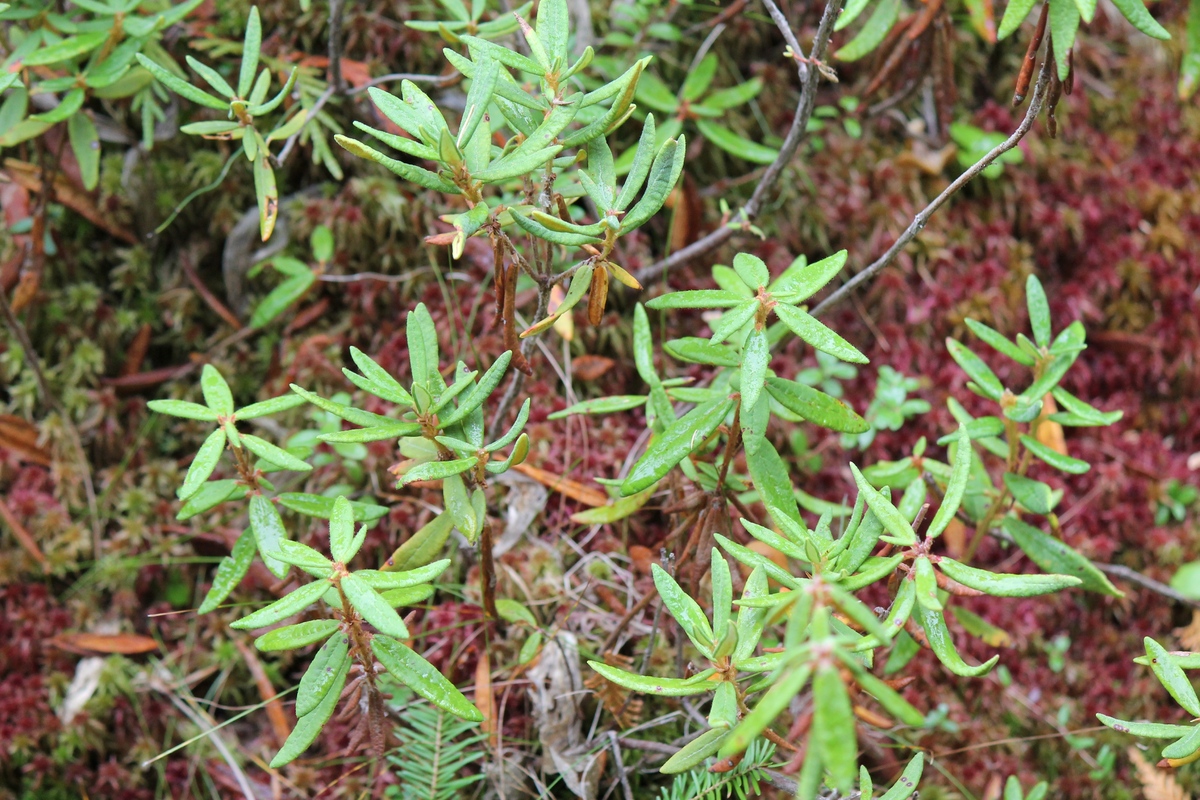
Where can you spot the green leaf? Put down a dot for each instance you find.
(734, 96)
(1171, 676)
(1004, 585)
(211, 77)
(643, 158)
(1135, 11)
(1064, 24)
(408, 172)
(374, 609)
(343, 411)
(1149, 730)
(1014, 15)
(281, 609)
(957, 486)
(818, 335)
(697, 80)
(268, 407)
(675, 443)
(783, 690)
(313, 505)
(695, 751)
(322, 674)
(752, 270)
(882, 508)
(976, 370)
(1054, 555)
(663, 687)
(889, 698)
(756, 357)
(179, 86)
(206, 460)
(420, 676)
(230, 572)
(772, 479)
(998, 342)
(250, 51)
(392, 579)
(602, 405)
(756, 560)
(1187, 745)
(67, 50)
(277, 456)
(816, 406)
(943, 646)
(664, 174)
(735, 144)
(833, 727)
(799, 281)
(208, 496)
(733, 321)
(216, 391)
(906, 786)
(310, 725)
(1084, 411)
(291, 637)
(925, 583)
(85, 144)
(695, 350)
(564, 238)
(873, 32)
(684, 609)
(281, 298)
(424, 545)
(268, 532)
(1033, 495)
(304, 557)
(341, 530)
(696, 298)
(622, 508)
(1054, 458)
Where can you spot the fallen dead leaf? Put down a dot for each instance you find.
(21, 437)
(22, 535)
(1157, 784)
(557, 483)
(589, 368)
(28, 176)
(125, 644)
(1049, 432)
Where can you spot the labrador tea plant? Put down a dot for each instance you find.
(786, 664)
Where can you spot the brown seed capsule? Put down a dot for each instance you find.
(598, 295)
(1023, 78)
(1053, 95)
(511, 341)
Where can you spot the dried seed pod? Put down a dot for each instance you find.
(1026, 74)
(1053, 95)
(598, 295)
(511, 341)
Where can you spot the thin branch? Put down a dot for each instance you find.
(922, 217)
(310, 115)
(1133, 576)
(436, 80)
(336, 81)
(810, 77)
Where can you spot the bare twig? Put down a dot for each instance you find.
(922, 217)
(1133, 576)
(810, 77)
(619, 763)
(336, 82)
(311, 114)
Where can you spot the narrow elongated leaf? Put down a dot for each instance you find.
(85, 144)
(421, 676)
(800, 284)
(341, 530)
(1149, 730)
(957, 486)
(664, 174)
(394, 579)
(1054, 458)
(309, 726)
(1171, 676)
(783, 689)
(424, 545)
(304, 557)
(202, 466)
(1185, 747)
(292, 637)
(701, 351)
(66, 50)
(251, 47)
(906, 785)
(281, 609)
(277, 456)
(735, 144)
(208, 496)
(882, 508)
(695, 751)
(696, 298)
(183, 409)
(997, 341)
(268, 407)
(1032, 495)
(663, 687)
(684, 609)
(230, 572)
(374, 609)
(1014, 14)
(321, 674)
(1063, 24)
(943, 646)
(1003, 585)
(772, 479)
(216, 391)
(816, 406)
(756, 357)
(180, 86)
(643, 158)
(686, 434)
(976, 370)
(268, 532)
(421, 177)
(343, 411)
(833, 727)
(602, 405)
(313, 505)
(733, 321)
(817, 334)
(925, 583)
(873, 32)
(1054, 555)
(1135, 11)
(613, 512)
